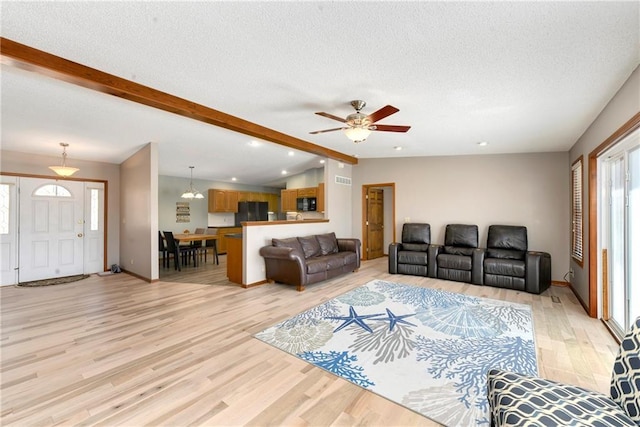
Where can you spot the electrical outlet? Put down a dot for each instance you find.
(571, 272)
(407, 219)
(131, 262)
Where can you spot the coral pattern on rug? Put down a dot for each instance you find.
(426, 349)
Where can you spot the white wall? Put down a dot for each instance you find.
(517, 189)
(34, 164)
(624, 105)
(139, 213)
(309, 178)
(339, 198)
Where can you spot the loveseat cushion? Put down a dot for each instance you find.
(316, 265)
(504, 267)
(328, 243)
(291, 242)
(310, 246)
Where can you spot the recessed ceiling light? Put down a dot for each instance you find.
(254, 143)
(290, 153)
(283, 172)
(234, 179)
(483, 143)
(322, 161)
(397, 148)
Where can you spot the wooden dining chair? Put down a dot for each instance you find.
(199, 244)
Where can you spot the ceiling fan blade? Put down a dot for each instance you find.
(326, 130)
(382, 113)
(331, 116)
(392, 128)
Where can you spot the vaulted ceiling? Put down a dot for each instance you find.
(522, 76)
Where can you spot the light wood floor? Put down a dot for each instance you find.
(115, 350)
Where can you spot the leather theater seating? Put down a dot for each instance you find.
(508, 263)
(411, 256)
(460, 259)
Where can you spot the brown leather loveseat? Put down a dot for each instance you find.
(301, 261)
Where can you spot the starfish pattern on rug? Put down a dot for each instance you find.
(394, 320)
(354, 317)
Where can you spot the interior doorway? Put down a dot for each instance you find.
(378, 219)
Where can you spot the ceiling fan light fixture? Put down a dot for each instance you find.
(64, 170)
(357, 134)
(192, 193)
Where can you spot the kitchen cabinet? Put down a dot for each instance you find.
(222, 240)
(274, 202)
(308, 192)
(320, 200)
(223, 201)
(288, 199)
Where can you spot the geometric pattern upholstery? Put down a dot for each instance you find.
(625, 379)
(520, 400)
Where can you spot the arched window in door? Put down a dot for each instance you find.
(52, 190)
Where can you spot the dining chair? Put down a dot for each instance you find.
(212, 244)
(177, 251)
(199, 244)
(162, 248)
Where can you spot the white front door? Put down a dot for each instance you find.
(51, 228)
(8, 230)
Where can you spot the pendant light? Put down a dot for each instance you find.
(64, 170)
(192, 193)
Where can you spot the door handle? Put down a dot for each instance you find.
(79, 234)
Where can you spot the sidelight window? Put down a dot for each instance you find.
(576, 211)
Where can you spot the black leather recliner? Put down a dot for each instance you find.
(460, 259)
(411, 256)
(509, 264)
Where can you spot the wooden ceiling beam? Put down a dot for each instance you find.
(31, 59)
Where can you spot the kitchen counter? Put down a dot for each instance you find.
(282, 222)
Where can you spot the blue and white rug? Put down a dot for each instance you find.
(426, 349)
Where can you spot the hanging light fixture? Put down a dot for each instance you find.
(64, 170)
(192, 193)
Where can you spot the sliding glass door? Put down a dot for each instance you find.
(621, 233)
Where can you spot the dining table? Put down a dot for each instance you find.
(194, 237)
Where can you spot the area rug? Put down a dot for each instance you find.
(53, 281)
(426, 349)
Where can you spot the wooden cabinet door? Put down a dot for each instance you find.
(307, 192)
(232, 201)
(217, 201)
(243, 196)
(274, 203)
(289, 200)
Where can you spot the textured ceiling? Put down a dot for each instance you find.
(523, 76)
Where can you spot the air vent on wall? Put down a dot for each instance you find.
(344, 180)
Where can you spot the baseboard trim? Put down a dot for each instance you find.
(586, 308)
(146, 279)
(252, 285)
(560, 283)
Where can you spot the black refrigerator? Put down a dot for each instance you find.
(252, 211)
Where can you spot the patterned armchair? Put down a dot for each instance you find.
(518, 400)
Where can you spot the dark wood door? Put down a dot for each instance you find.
(375, 223)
